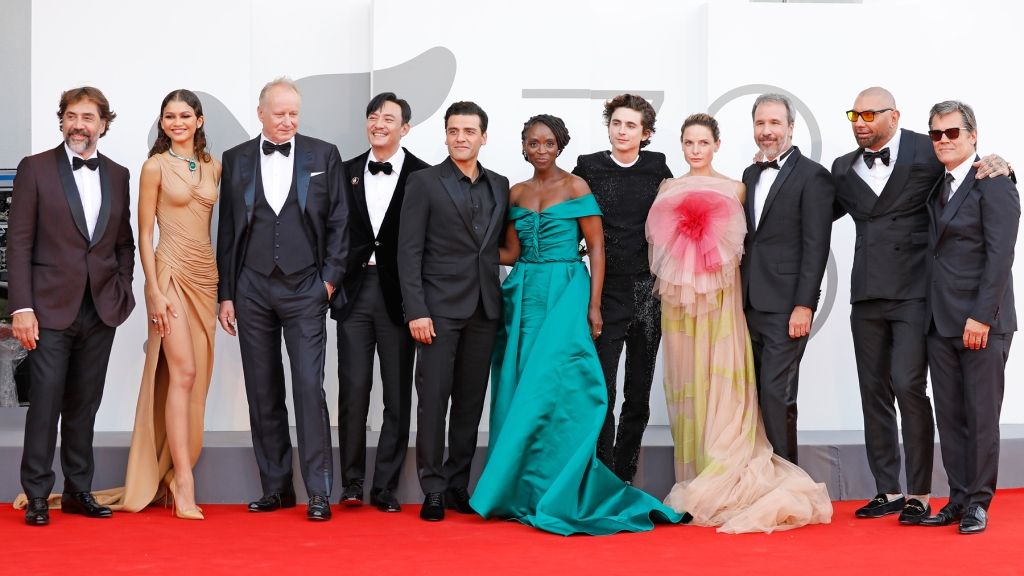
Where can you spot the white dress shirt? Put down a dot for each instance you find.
(88, 183)
(380, 188)
(277, 170)
(764, 185)
(959, 174)
(878, 176)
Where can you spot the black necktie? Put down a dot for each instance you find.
(946, 190)
(765, 165)
(91, 163)
(269, 148)
(378, 167)
(883, 155)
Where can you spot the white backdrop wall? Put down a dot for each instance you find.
(524, 58)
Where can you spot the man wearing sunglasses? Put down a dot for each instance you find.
(969, 317)
(883, 185)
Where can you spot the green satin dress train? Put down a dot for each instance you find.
(548, 394)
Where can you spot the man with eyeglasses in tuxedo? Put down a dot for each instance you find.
(883, 185)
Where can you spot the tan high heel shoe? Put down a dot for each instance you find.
(195, 513)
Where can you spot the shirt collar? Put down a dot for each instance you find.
(960, 172)
(397, 160)
(263, 139)
(72, 154)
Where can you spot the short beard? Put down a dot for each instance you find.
(79, 148)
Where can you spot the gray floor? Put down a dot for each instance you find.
(227, 473)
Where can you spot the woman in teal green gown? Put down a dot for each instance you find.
(548, 396)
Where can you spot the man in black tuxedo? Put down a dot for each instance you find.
(789, 224)
(281, 249)
(969, 317)
(883, 185)
(372, 314)
(452, 219)
(70, 257)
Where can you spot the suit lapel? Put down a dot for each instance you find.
(250, 157)
(900, 174)
(105, 199)
(957, 200)
(357, 179)
(451, 186)
(499, 206)
(74, 198)
(303, 167)
(932, 204)
(751, 176)
(395, 207)
(784, 173)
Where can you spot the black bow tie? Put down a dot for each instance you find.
(883, 155)
(269, 148)
(378, 167)
(91, 163)
(765, 165)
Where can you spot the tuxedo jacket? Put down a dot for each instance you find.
(970, 248)
(362, 242)
(50, 256)
(785, 255)
(444, 270)
(320, 184)
(892, 227)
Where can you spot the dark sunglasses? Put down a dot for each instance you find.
(867, 115)
(951, 133)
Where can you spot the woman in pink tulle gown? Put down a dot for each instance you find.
(726, 473)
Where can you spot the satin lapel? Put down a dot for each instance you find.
(750, 182)
(957, 200)
(250, 158)
(395, 207)
(303, 167)
(784, 173)
(900, 174)
(932, 204)
(451, 186)
(67, 180)
(500, 200)
(357, 179)
(106, 198)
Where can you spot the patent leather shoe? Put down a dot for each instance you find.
(83, 503)
(433, 507)
(271, 502)
(975, 520)
(949, 514)
(352, 495)
(385, 501)
(37, 513)
(319, 508)
(914, 512)
(458, 499)
(880, 506)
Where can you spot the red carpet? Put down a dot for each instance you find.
(365, 541)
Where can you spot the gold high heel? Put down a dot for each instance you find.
(196, 513)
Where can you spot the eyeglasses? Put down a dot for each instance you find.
(867, 115)
(951, 133)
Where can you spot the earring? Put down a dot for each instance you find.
(525, 157)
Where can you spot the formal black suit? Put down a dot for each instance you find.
(272, 266)
(970, 248)
(783, 262)
(80, 288)
(887, 291)
(372, 318)
(448, 266)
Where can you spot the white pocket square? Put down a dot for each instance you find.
(315, 174)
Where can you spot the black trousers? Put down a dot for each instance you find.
(890, 345)
(295, 305)
(777, 365)
(632, 320)
(968, 386)
(368, 327)
(69, 368)
(454, 367)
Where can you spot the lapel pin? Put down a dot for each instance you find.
(355, 180)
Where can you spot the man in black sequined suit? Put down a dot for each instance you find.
(625, 181)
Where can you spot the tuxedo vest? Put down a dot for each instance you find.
(278, 240)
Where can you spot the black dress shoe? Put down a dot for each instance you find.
(433, 507)
(949, 514)
(271, 502)
(914, 512)
(83, 503)
(880, 506)
(975, 520)
(37, 513)
(319, 508)
(458, 499)
(352, 496)
(385, 501)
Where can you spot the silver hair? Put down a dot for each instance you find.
(774, 97)
(951, 106)
(282, 81)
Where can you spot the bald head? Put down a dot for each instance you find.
(880, 95)
(884, 124)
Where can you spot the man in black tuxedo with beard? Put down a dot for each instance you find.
(970, 316)
(789, 224)
(452, 219)
(883, 185)
(372, 314)
(281, 248)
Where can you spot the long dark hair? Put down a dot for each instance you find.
(163, 142)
